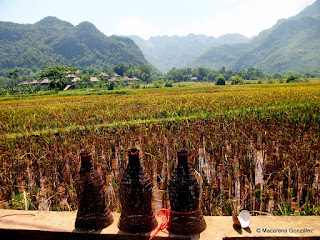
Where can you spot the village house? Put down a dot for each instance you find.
(35, 82)
(71, 76)
(134, 79)
(94, 79)
(45, 81)
(103, 74)
(76, 79)
(114, 79)
(24, 83)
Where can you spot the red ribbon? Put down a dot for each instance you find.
(133, 153)
(186, 213)
(166, 219)
(183, 154)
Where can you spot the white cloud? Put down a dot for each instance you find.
(134, 26)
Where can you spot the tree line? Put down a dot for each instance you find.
(10, 80)
(236, 76)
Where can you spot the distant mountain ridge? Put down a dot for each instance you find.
(52, 41)
(166, 52)
(290, 45)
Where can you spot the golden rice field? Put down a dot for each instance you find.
(255, 147)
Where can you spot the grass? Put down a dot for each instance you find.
(30, 115)
(42, 135)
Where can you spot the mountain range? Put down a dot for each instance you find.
(52, 41)
(290, 45)
(166, 52)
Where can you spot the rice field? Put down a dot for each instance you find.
(254, 147)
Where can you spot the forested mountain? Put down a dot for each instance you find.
(166, 52)
(290, 45)
(52, 41)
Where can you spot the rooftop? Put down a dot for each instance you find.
(94, 79)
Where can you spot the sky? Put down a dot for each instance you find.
(159, 17)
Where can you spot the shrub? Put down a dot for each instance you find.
(168, 84)
(135, 85)
(156, 84)
(110, 85)
(292, 78)
(221, 80)
(237, 80)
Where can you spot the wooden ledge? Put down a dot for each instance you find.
(16, 224)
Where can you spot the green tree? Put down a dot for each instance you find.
(292, 78)
(168, 84)
(156, 84)
(120, 69)
(111, 85)
(58, 75)
(106, 69)
(57, 72)
(210, 77)
(13, 75)
(136, 73)
(236, 80)
(145, 73)
(135, 85)
(175, 75)
(88, 71)
(276, 76)
(202, 73)
(130, 72)
(222, 70)
(220, 80)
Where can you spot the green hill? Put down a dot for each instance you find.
(166, 52)
(52, 41)
(291, 45)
